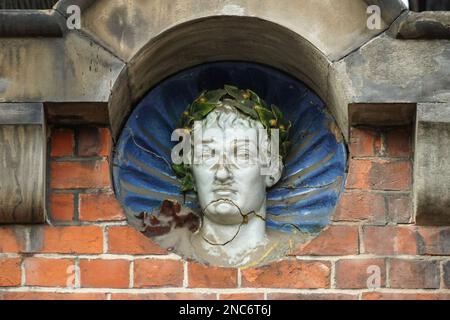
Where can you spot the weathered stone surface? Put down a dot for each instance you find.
(387, 70)
(74, 113)
(72, 68)
(149, 34)
(30, 23)
(191, 44)
(381, 114)
(33, 4)
(424, 25)
(432, 165)
(390, 10)
(384, 75)
(114, 22)
(22, 163)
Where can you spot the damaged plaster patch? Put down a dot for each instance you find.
(233, 10)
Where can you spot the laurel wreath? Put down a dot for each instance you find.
(246, 102)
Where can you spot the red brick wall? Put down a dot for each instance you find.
(87, 251)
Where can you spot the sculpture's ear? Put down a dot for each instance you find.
(272, 179)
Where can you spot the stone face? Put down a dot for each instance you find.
(431, 164)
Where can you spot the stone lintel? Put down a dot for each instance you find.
(381, 114)
(30, 23)
(77, 113)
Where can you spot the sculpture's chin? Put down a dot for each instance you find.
(224, 208)
(224, 213)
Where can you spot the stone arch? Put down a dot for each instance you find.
(271, 37)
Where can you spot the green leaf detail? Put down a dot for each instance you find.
(245, 108)
(277, 112)
(264, 116)
(179, 169)
(245, 101)
(214, 96)
(233, 91)
(186, 185)
(201, 110)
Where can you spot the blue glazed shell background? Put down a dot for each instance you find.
(314, 175)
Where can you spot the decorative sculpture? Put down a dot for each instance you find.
(210, 204)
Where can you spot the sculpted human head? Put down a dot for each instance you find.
(228, 171)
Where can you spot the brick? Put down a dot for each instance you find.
(380, 175)
(127, 240)
(359, 174)
(201, 276)
(363, 142)
(433, 240)
(80, 175)
(355, 273)
(104, 273)
(334, 241)
(414, 274)
(81, 240)
(51, 296)
(100, 207)
(398, 142)
(294, 274)
(447, 274)
(390, 240)
(404, 296)
(361, 206)
(49, 272)
(62, 142)
(10, 273)
(400, 209)
(241, 296)
(311, 296)
(62, 207)
(12, 239)
(94, 141)
(164, 296)
(158, 273)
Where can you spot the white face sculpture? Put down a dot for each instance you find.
(228, 176)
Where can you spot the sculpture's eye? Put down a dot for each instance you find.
(208, 153)
(242, 153)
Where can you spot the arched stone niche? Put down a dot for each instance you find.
(275, 217)
(232, 37)
(205, 40)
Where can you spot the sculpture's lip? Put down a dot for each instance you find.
(224, 190)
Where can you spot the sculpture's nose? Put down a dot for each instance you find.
(223, 173)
